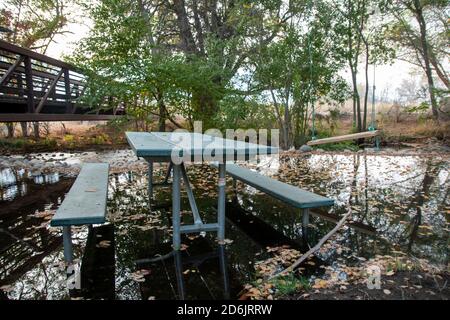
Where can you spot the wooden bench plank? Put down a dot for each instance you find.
(353, 136)
(282, 191)
(85, 203)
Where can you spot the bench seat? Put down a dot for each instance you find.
(85, 203)
(282, 191)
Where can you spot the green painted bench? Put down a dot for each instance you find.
(292, 195)
(84, 204)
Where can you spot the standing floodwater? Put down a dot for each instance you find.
(400, 207)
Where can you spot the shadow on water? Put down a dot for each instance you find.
(400, 204)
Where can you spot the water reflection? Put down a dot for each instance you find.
(14, 183)
(399, 204)
(403, 198)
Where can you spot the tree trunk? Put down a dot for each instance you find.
(162, 113)
(187, 39)
(357, 100)
(10, 127)
(205, 108)
(354, 111)
(439, 71)
(287, 142)
(366, 96)
(36, 129)
(24, 126)
(424, 42)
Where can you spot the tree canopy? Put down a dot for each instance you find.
(218, 61)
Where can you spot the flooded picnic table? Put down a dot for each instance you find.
(400, 206)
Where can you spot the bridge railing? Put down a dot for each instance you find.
(34, 86)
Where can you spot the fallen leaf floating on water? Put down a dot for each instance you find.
(6, 288)
(139, 276)
(104, 244)
(47, 215)
(225, 241)
(320, 284)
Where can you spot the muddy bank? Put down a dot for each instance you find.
(405, 285)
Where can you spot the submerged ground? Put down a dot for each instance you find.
(400, 222)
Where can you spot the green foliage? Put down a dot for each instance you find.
(28, 144)
(290, 284)
(100, 139)
(136, 51)
(238, 112)
(34, 23)
(346, 145)
(258, 64)
(421, 108)
(13, 143)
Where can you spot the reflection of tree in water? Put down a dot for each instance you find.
(26, 241)
(411, 234)
(45, 281)
(385, 204)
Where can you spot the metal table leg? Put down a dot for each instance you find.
(176, 202)
(305, 223)
(221, 203)
(169, 169)
(223, 269)
(197, 218)
(150, 180)
(179, 275)
(67, 244)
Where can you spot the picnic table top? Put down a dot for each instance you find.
(162, 144)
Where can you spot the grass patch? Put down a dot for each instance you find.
(28, 144)
(290, 284)
(346, 145)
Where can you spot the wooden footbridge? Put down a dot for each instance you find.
(35, 87)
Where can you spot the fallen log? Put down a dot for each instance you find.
(353, 136)
(316, 247)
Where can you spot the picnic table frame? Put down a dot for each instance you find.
(161, 146)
